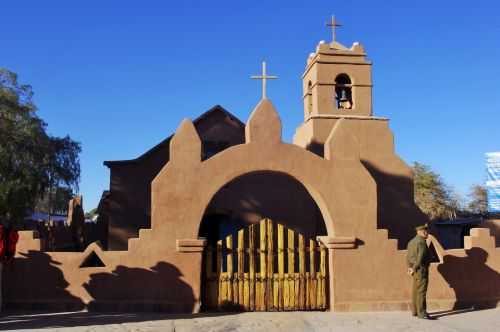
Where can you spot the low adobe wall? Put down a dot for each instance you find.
(135, 280)
(373, 276)
(493, 224)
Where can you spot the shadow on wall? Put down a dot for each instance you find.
(474, 282)
(316, 148)
(47, 291)
(159, 288)
(263, 194)
(396, 208)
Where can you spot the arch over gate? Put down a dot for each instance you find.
(343, 190)
(251, 197)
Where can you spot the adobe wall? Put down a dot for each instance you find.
(130, 199)
(373, 276)
(145, 278)
(396, 209)
(161, 270)
(493, 224)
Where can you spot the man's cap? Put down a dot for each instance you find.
(422, 227)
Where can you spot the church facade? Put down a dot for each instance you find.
(227, 214)
(337, 85)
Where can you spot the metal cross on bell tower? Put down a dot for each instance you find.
(333, 24)
(264, 77)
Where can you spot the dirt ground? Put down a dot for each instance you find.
(460, 320)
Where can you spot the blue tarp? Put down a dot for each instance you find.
(42, 216)
(493, 181)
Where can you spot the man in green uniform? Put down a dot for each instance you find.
(418, 260)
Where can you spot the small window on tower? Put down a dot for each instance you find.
(309, 98)
(343, 92)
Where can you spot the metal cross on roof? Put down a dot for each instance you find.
(264, 77)
(333, 24)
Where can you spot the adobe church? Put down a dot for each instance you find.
(337, 85)
(225, 215)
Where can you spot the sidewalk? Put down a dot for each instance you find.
(480, 321)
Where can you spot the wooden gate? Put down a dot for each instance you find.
(259, 275)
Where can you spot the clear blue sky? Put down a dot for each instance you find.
(119, 76)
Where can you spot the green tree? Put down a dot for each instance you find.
(432, 195)
(54, 201)
(31, 161)
(62, 170)
(91, 214)
(478, 200)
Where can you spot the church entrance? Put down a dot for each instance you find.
(262, 253)
(265, 267)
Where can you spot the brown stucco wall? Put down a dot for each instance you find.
(129, 202)
(493, 225)
(161, 270)
(373, 277)
(396, 209)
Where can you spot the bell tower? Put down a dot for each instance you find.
(336, 83)
(337, 91)
(337, 80)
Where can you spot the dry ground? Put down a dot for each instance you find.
(466, 320)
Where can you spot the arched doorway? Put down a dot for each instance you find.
(262, 252)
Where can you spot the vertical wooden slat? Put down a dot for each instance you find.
(281, 267)
(235, 283)
(291, 270)
(270, 265)
(297, 291)
(263, 269)
(302, 273)
(251, 266)
(276, 287)
(246, 291)
(222, 291)
(308, 291)
(312, 272)
(258, 293)
(323, 277)
(241, 266)
(285, 291)
(229, 246)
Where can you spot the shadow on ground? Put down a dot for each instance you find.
(41, 320)
(439, 314)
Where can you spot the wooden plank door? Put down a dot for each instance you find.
(263, 274)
